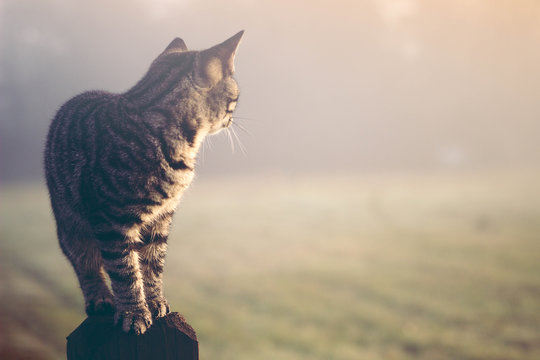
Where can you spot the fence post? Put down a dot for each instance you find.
(169, 337)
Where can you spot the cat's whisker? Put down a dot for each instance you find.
(240, 145)
(204, 150)
(241, 127)
(244, 118)
(230, 139)
(208, 140)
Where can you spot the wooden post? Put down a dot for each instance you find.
(169, 337)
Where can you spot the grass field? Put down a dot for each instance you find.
(365, 267)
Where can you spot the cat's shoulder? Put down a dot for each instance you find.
(95, 96)
(93, 100)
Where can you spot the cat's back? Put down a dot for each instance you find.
(72, 126)
(73, 116)
(72, 136)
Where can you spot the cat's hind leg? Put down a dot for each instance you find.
(85, 258)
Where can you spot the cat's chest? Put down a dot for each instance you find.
(174, 192)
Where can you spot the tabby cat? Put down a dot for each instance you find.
(116, 166)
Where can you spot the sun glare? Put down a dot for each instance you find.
(160, 9)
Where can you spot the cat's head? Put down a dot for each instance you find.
(204, 89)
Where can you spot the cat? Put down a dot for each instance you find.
(116, 166)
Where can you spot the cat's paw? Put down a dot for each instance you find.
(100, 305)
(159, 307)
(137, 320)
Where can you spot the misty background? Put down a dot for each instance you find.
(387, 203)
(345, 86)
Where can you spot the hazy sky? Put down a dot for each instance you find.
(326, 85)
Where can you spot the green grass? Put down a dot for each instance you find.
(365, 267)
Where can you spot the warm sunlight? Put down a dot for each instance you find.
(372, 190)
(163, 9)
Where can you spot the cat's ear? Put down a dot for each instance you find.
(176, 45)
(217, 62)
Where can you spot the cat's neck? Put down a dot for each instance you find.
(159, 86)
(181, 134)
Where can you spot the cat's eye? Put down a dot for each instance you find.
(232, 105)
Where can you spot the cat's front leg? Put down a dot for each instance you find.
(122, 264)
(152, 259)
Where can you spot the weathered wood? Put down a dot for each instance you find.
(169, 337)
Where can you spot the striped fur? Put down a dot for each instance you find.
(116, 167)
